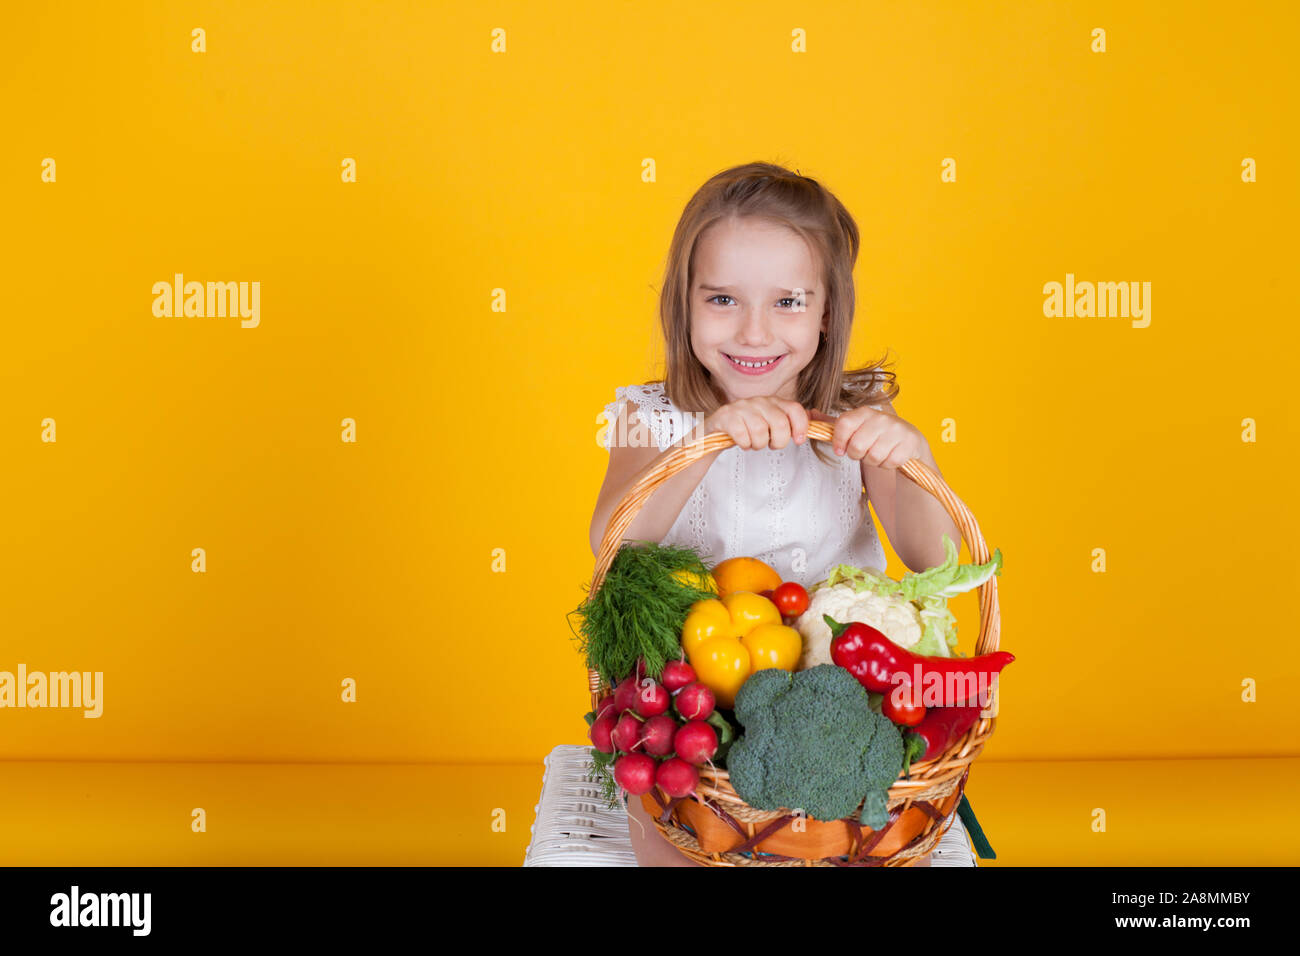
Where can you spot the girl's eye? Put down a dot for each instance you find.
(794, 301)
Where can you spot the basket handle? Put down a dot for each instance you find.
(918, 471)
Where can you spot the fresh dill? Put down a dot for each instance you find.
(639, 609)
(602, 771)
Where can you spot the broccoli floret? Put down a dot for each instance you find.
(811, 741)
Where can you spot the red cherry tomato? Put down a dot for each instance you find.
(790, 599)
(906, 712)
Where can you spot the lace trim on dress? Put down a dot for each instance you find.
(850, 479)
(665, 422)
(814, 516)
(738, 507)
(695, 522)
(775, 488)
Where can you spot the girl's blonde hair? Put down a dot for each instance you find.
(771, 192)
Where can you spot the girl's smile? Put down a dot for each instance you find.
(760, 365)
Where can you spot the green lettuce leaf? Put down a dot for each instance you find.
(950, 578)
(938, 628)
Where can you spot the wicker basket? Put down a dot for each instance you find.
(716, 828)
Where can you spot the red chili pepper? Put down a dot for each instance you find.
(865, 653)
(936, 733)
(879, 664)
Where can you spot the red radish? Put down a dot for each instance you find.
(606, 703)
(653, 699)
(601, 729)
(657, 735)
(635, 773)
(676, 675)
(696, 743)
(695, 701)
(677, 777)
(625, 694)
(626, 733)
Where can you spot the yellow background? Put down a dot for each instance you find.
(476, 428)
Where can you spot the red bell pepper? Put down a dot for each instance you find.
(880, 665)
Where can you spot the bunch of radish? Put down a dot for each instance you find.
(654, 747)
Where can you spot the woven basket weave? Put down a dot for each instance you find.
(715, 827)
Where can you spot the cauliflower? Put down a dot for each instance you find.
(913, 613)
(893, 615)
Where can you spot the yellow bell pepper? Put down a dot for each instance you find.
(773, 645)
(721, 664)
(728, 639)
(706, 619)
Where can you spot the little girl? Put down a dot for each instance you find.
(756, 309)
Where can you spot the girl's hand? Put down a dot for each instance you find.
(878, 438)
(763, 422)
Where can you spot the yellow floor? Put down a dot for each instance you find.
(1168, 812)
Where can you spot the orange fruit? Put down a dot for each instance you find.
(745, 574)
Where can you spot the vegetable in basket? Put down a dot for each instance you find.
(638, 743)
(903, 706)
(730, 638)
(639, 609)
(811, 741)
(913, 612)
(939, 729)
(880, 666)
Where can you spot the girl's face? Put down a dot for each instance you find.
(747, 307)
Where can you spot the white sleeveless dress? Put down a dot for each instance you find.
(783, 506)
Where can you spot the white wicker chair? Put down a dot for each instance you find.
(573, 827)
